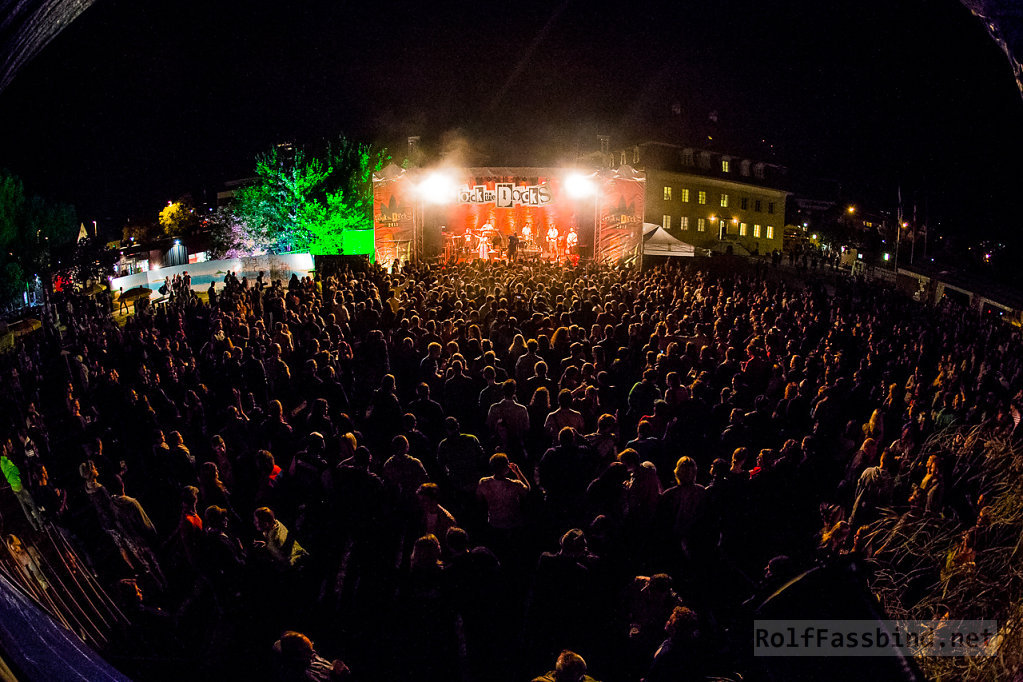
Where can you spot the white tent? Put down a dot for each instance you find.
(657, 242)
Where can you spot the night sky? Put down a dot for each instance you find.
(139, 102)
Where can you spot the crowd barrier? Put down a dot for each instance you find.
(281, 266)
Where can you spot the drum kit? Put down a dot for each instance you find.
(483, 242)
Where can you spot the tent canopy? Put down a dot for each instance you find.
(657, 242)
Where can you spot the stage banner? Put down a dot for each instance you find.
(393, 206)
(621, 216)
(529, 202)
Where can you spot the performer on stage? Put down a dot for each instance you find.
(513, 246)
(571, 241)
(552, 241)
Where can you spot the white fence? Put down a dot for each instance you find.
(274, 267)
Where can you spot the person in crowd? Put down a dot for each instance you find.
(503, 493)
(337, 401)
(276, 542)
(570, 667)
(297, 661)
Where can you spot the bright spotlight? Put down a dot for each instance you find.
(437, 188)
(579, 186)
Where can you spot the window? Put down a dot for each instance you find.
(756, 205)
(704, 159)
(685, 195)
(701, 224)
(666, 222)
(758, 170)
(725, 165)
(770, 231)
(667, 193)
(623, 158)
(744, 203)
(687, 157)
(742, 229)
(744, 168)
(724, 201)
(756, 231)
(770, 207)
(684, 223)
(702, 197)
(635, 154)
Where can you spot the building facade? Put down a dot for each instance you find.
(710, 199)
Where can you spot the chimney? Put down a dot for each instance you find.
(413, 150)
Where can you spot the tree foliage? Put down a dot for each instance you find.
(177, 217)
(301, 201)
(140, 232)
(31, 230)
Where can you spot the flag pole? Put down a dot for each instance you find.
(898, 235)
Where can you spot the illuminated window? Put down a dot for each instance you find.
(724, 201)
(770, 207)
(770, 231)
(744, 203)
(725, 165)
(701, 224)
(685, 195)
(756, 206)
(702, 197)
(756, 231)
(667, 193)
(684, 223)
(742, 229)
(666, 222)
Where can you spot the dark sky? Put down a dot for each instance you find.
(139, 102)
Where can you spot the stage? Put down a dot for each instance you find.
(508, 213)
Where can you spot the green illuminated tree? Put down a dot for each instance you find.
(304, 202)
(280, 205)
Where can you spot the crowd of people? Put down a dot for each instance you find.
(483, 471)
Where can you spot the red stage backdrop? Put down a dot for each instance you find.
(393, 206)
(510, 199)
(621, 215)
